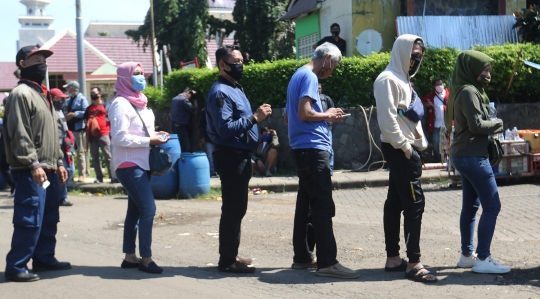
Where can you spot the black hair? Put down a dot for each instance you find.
(98, 89)
(334, 25)
(224, 52)
(435, 81)
(421, 43)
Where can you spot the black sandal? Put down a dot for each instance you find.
(418, 277)
(399, 268)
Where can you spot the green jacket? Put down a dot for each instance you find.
(472, 125)
(30, 129)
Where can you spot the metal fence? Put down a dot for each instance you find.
(460, 32)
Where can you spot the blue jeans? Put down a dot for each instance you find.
(141, 209)
(479, 188)
(63, 192)
(35, 219)
(436, 144)
(209, 149)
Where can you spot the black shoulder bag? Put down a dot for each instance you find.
(160, 161)
(494, 146)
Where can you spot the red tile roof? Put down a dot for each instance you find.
(7, 79)
(122, 49)
(64, 59)
(211, 48)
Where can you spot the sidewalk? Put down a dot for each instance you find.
(342, 179)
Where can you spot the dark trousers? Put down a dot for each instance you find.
(183, 137)
(234, 169)
(35, 218)
(315, 193)
(404, 195)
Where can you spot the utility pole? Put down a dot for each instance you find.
(154, 68)
(80, 49)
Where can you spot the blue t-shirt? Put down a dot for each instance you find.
(305, 134)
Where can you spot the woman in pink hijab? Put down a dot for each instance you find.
(131, 147)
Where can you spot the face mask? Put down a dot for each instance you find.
(323, 69)
(138, 82)
(35, 72)
(267, 137)
(415, 64)
(58, 105)
(236, 72)
(439, 88)
(335, 33)
(484, 80)
(95, 96)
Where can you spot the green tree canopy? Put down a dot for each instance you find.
(179, 24)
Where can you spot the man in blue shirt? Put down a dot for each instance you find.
(232, 127)
(180, 113)
(75, 107)
(311, 148)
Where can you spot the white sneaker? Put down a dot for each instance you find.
(467, 261)
(489, 265)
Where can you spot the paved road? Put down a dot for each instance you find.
(185, 244)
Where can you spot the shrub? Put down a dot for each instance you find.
(352, 82)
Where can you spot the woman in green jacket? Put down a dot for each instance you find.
(468, 106)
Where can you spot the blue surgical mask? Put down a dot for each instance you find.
(138, 82)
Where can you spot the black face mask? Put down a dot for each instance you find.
(35, 72)
(484, 80)
(236, 72)
(415, 64)
(335, 33)
(94, 96)
(59, 105)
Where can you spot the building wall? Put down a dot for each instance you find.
(377, 15)
(464, 7)
(306, 26)
(514, 5)
(31, 36)
(338, 11)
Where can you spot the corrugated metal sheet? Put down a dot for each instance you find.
(460, 32)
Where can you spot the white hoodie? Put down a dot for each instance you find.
(392, 92)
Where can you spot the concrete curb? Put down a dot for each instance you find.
(341, 180)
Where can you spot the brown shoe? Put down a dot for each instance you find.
(237, 267)
(308, 265)
(245, 261)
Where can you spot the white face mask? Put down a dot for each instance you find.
(439, 88)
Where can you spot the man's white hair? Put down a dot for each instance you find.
(326, 49)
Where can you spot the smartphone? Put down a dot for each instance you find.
(46, 184)
(163, 137)
(345, 115)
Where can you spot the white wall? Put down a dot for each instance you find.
(338, 11)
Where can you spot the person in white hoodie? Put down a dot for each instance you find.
(402, 139)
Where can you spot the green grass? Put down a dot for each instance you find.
(214, 194)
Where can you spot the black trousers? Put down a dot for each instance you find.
(184, 138)
(234, 169)
(404, 195)
(315, 192)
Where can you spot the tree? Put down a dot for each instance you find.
(179, 24)
(259, 34)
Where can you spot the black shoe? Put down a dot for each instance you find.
(22, 277)
(152, 268)
(115, 181)
(125, 264)
(66, 203)
(98, 181)
(237, 267)
(36, 267)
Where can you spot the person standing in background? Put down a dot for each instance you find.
(182, 107)
(207, 142)
(75, 107)
(334, 39)
(103, 141)
(436, 101)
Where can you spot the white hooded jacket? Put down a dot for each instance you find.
(392, 91)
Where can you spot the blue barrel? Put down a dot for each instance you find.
(166, 186)
(194, 172)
